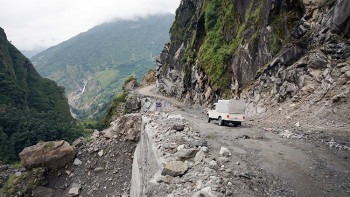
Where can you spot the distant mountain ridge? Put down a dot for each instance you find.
(93, 65)
(31, 53)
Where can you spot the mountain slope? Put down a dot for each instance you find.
(93, 65)
(32, 108)
(22, 87)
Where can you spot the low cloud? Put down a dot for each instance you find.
(33, 24)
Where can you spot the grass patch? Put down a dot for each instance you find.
(106, 77)
(216, 52)
(17, 164)
(48, 145)
(128, 80)
(17, 186)
(112, 109)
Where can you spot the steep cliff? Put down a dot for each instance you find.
(217, 47)
(32, 108)
(22, 86)
(273, 51)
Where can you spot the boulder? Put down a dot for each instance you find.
(108, 133)
(174, 168)
(53, 155)
(178, 127)
(133, 104)
(185, 154)
(78, 142)
(198, 143)
(317, 60)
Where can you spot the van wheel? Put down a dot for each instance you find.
(221, 122)
(235, 124)
(209, 119)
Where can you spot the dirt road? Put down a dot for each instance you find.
(266, 164)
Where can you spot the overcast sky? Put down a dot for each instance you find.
(33, 24)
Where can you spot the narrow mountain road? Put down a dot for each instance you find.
(265, 164)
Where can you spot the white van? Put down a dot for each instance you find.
(228, 111)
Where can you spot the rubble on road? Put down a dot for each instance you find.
(172, 163)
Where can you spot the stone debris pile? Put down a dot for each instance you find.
(173, 160)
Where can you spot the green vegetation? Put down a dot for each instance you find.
(48, 145)
(104, 57)
(106, 77)
(10, 185)
(90, 125)
(128, 80)
(22, 128)
(226, 29)
(118, 103)
(279, 21)
(32, 108)
(113, 108)
(216, 51)
(19, 185)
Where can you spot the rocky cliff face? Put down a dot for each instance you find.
(273, 51)
(216, 48)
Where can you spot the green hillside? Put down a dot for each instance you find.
(101, 59)
(32, 108)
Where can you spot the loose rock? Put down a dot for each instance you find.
(224, 152)
(100, 153)
(77, 162)
(174, 168)
(98, 169)
(178, 127)
(199, 157)
(74, 191)
(185, 154)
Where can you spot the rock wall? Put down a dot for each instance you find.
(309, 80)
(216, 48)
(273, 54)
